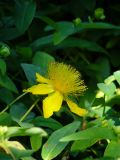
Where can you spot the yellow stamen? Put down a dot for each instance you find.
(65, 79)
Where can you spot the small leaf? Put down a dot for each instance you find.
(30, 71)
(42, 59)
(24, 14)
(109, 79)
(112, 149)
(82, 144)
(117, 76)
(8, 96)
(53, 146)
(5, 119)
(6, 82)
(35, 130)
(36, 142)
(97, 25)
(42, 42)
(2, 66)
(18, 149)
(48, 21)
(18, 110)
(25, 131)
(108, 89)
(64, 30)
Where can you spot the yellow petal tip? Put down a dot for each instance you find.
(76, 109)
(40, 78)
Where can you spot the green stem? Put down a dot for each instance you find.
(39, 109)
(15, 100)
(104, 108)
(29, 110)
(103, 111)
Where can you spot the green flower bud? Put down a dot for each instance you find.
(99, 13)
(4, 50)
(77, 21)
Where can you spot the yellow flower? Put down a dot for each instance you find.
(61, 81)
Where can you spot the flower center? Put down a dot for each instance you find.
(65, 79)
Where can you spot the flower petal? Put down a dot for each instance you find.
(75, 108)
(41, 79)
(52, 104)
(40, 89)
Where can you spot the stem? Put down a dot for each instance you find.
(103, 111)
(104, 108)
(15, 100)
(39, 109)
(29, 110)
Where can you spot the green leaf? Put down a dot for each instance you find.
(25, 131)
(42, 59)
(28, 158)
(82, 44)
(117, 76)
(49, 122)
(48, 21)
(42, 42)
(18, 151)
(97, 25)
(89, 97)
(5, 119)
(36, 142)
(8, 96)
(64, 30)
(6, 82)
(53, 146)
(24, 14)
(101, 63)
(2, 66)
(109, 79)
(112, 149)
(82, 144)
(30, 71)
(18, 110)
(108, 89)
(34, 131)
(99, 133)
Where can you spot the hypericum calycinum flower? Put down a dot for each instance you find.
(61, 81)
